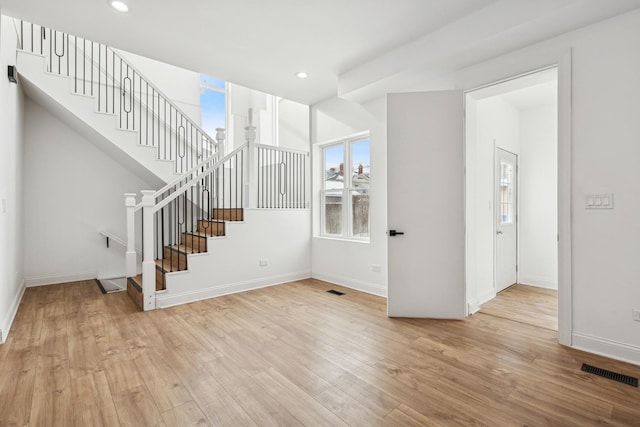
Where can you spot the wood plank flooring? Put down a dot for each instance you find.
(290, 355)
(526, 304)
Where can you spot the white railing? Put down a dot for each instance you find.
(121, 89)
(178, 219)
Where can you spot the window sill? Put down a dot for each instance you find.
(343, 239)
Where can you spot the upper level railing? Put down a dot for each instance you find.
(121, 89)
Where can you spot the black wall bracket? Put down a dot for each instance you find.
(12, 73)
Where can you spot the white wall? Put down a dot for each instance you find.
(606, 154)
(350, 263)
(496, 124)
(11, 183)
(538, 200)
(73, 191)
(232, 263)
(293, 125)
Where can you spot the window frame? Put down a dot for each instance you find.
(346, 191)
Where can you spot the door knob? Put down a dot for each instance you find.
(395, 233)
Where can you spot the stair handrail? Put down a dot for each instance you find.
(162, 95)
(220, 139)
(212, 142)
(193, 181)
(119, 241)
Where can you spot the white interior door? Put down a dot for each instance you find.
(506, 219)
(425, 202)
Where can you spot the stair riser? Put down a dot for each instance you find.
(211, 228)
(228, 214)
(159, 280)
(178, 259)
(195, 243)
(135, 295)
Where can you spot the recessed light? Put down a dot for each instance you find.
(302, 75)
(118, 5)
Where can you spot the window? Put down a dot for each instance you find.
(506, 193)
(213, 101)
(345, 188)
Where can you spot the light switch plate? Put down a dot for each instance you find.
(599, 201)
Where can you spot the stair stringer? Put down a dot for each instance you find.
(232, 262)
(55, 93)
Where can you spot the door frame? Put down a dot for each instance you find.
(489, 74)
(495, 212)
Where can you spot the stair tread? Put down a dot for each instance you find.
(196, 233)
(164, 264)
(183, 248)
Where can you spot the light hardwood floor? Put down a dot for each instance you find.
(290, 355)
(526, 304)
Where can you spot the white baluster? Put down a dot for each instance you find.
(220, 137)
(251, 181)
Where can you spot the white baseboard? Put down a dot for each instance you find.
(607, 348)
(5, 326)
(473, 307)
(538, 282)
(169, 299)
(53, 280)
(357, 285)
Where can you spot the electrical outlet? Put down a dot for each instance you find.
(264, 262)
(636, 315)
(376, 268)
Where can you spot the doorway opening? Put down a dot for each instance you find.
(512, 198)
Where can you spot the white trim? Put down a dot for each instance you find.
(358, 135)
(538, 282)
(473, 307)
(169, 299)
(54, 280)
(355, 284)
(607, 348)
(565, 303)
(5, 326)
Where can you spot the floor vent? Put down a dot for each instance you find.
(625, 379)
(333, 291)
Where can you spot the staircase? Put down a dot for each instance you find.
(175, 257)
(111, 102)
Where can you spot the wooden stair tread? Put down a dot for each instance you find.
(196, 233)
(164, 264)
(137, 279)
(182, 248)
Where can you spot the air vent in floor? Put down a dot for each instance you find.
(625, 379)
(333, 291)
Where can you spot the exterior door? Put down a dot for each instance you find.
(425, 202)
(506, 245)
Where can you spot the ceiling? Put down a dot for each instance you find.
(355, 49)
(534, 90)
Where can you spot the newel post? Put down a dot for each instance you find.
(131, 261)
(148, 261)
(251, 184)
(220, 137)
